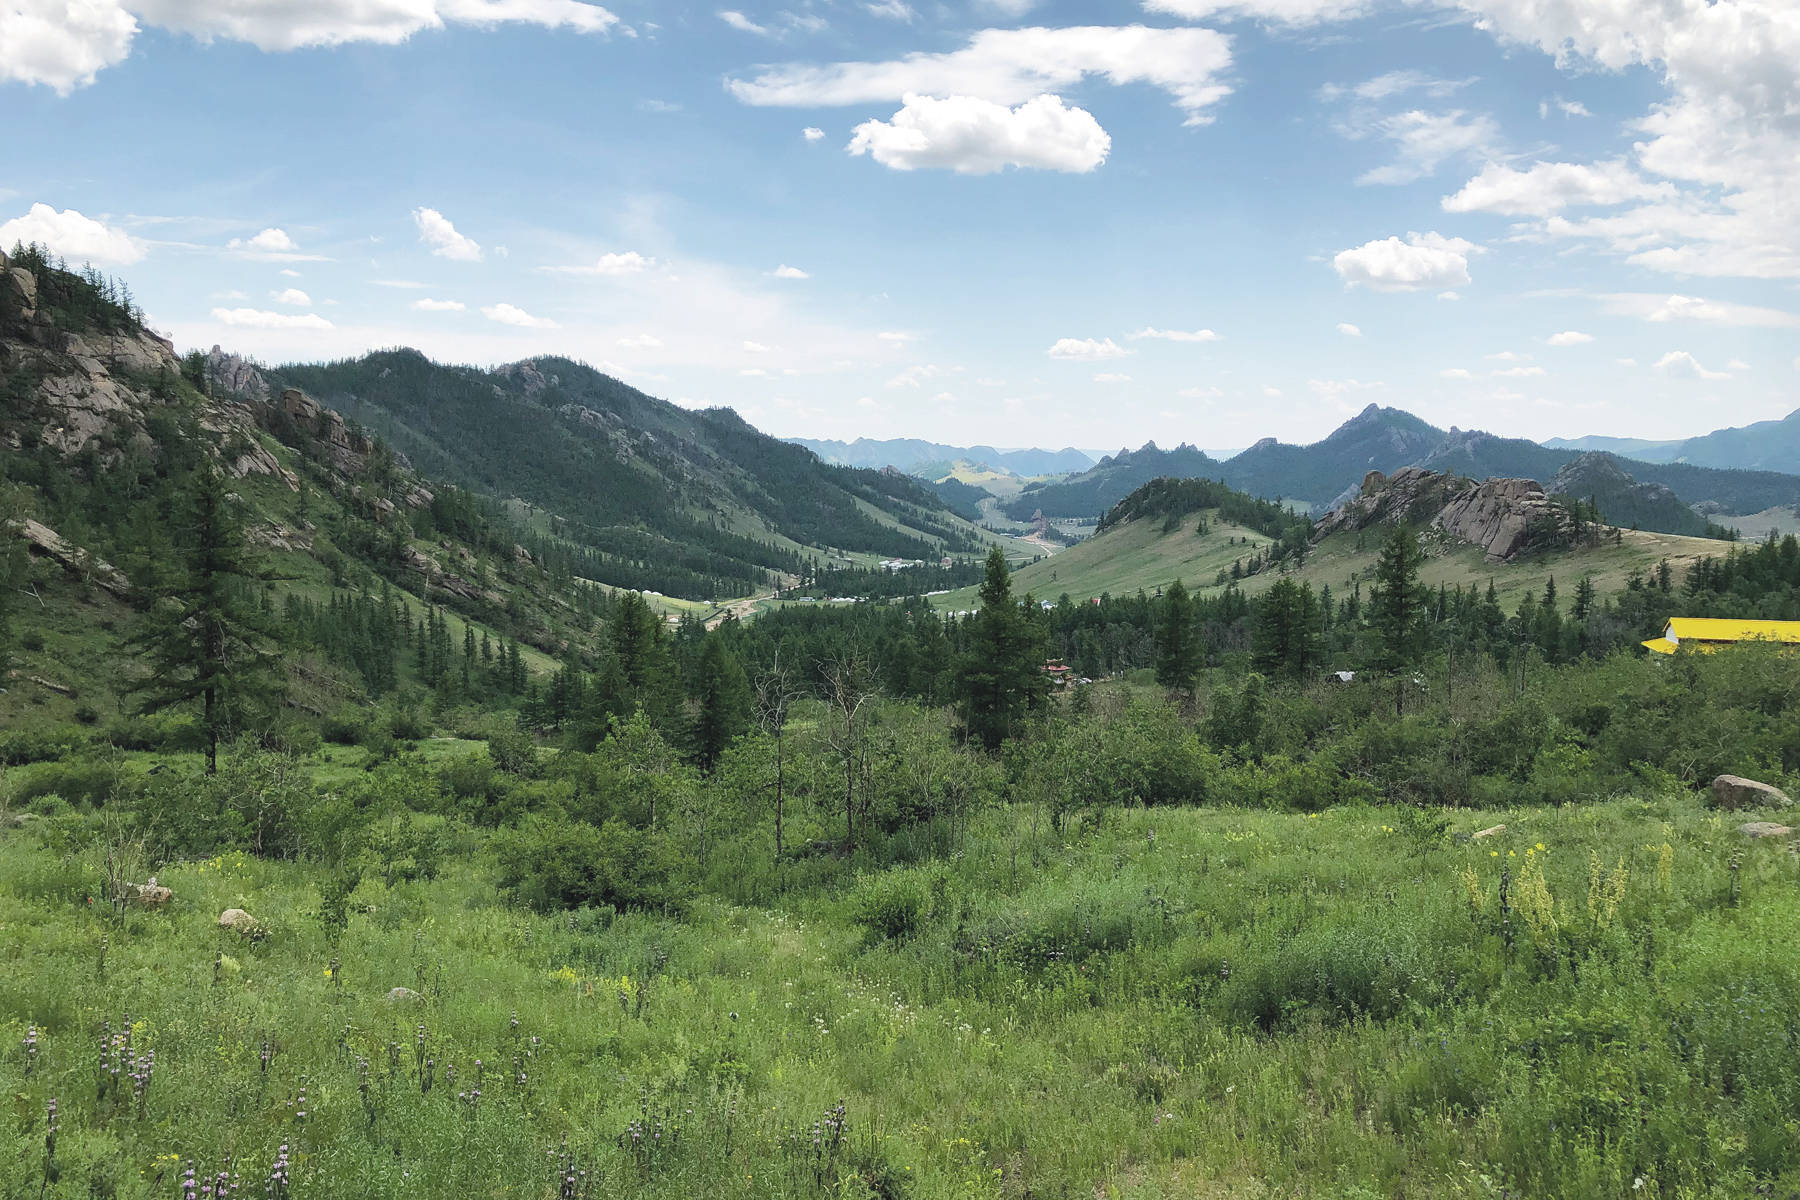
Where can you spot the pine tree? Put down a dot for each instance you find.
(1285, 637)
(722, 696)
(1177, 645)
(1001, 673)
(204, 638)
(1398, 607)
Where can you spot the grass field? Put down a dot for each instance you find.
(1171, 1003)
(1139, 555)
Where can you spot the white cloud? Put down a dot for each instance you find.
(1283, 12)
(507, 314)
(640, 341)
(1507, 356)
(1452, 296)
(63, 44)
(1549, 187)
(915, 376)
(1112, 377)
(1568, 108)
(1349, 330)
(1394, 83)
(897, 336)
(436, 231)
(1682, 365)
(1656, 306)
(1175, 335)
(292, 296)
(78, 238)
(1423, 260)
(1424, 140)
(271, 245)
(290, 273)
(1456, 373)
(1086, 349)
(891, 10)
(1519, 372)
(756, 348)
(439, 305)
(1737, 364)
(812, 133)
(1625, 362)
(972, 136)
(408, 284)
(1011, 66)
(786, 272)
(754, 373)
(256, 318)
(743, 24)
(1570, 337)
(1273, 393)
(628, 263)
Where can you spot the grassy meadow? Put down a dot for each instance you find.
(1143, 1003)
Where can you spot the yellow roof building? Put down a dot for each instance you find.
(1709, 633)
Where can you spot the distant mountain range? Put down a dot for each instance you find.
(1386, 439)
(1764, 445)
(912, 454)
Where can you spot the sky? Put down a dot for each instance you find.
(1013, 222)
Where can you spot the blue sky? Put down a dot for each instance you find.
(996, 221)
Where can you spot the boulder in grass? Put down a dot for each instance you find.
(1763, 829)
(1734, 793)
(239, 921)
(403, 995)
(149, 895)
(1490, 831)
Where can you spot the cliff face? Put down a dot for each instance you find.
(1505, 517)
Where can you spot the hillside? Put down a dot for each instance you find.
(918, 457)
(632, 478)
(1759, 446)
(1110, 480)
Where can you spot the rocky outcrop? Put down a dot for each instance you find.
(1505, 517)
(347, 452)
(232, 375)
(45, 542)
(455, 585)
(1733, 793)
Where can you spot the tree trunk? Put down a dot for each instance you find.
(212, 737)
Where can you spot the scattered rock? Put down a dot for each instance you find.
(47, 543)
(1734, 792)
(149, 895)
(50, 685)
(239, 921)
(403, 995)
(1763, 829)
(1490, 831)
(231, 374)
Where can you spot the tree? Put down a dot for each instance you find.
(722, 696)
(13, 564)
(1285, 637)
(204, 638)
(775, 694)
(1397, 607)
(1177, 646)
(1002, 668)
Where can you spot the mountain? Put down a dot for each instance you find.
(1623, 500)
(631, 477)
(1376, 439)
(1109, 481)
(912, 454)
(1638, 448)
(1763, 445)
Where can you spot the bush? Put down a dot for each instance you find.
(86, 714)
(20, 746)
(31, 640)
(891, 906)
(553, 862)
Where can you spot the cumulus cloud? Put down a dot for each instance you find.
(271, 245)
(426, 305)
(63, 45)
(78, 238)
(1349, 330)
(1457, 373)
(1682, 365)
(1423, 260)
(1656, 306)
(1086, 349)
(256, 318)
(1549, 187)
(629, 262)
(1519, 372)
(436, 231)
(507, 314)
(1175, 335)
(1011, 66)
(972, 136)
(743, 24)
(786, 272)
(891, 10)
(812, 133)
(292, 296)
(1570, 337)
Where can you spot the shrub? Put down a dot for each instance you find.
(553, 862)
(21, 746)
(891, 906)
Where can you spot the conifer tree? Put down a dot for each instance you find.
(1001, 673)
(204, 638)
(1398, 607)
(1177, 642)
(722, 695)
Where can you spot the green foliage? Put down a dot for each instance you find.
(1001, 672)
(553, 862)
